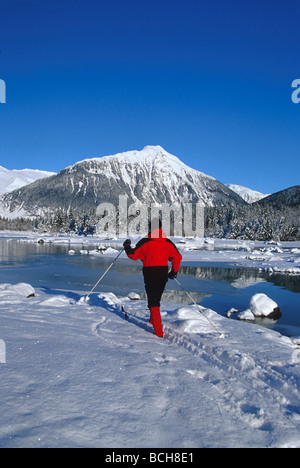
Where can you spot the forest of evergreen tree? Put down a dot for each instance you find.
(249, 222)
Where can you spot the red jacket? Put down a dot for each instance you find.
(156, 250)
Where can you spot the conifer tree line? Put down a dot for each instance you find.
(254, 222)
(250, 222)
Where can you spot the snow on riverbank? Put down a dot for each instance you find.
(272, 257)
(78, 374)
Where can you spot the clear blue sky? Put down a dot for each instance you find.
(209, 80)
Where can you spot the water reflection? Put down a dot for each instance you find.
(49, 265)
(179, 297)
(11, 250)
(15, 252)
(241, 278)
(238, 277)
(292, 283)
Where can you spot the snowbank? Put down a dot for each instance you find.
(78, 374)
(195, 320)
(22, 289)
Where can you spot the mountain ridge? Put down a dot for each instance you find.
(151, 175)
(13, 179)
(249, 195)
(287, 197)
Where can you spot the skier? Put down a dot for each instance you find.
(155, 251)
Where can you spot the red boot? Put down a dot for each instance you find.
(151, 319)
(156, 321)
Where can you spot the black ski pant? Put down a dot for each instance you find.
(156, 279)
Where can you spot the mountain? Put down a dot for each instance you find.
(289, 198)
(14, 179)
(150, 175)
(249, 195)
(275, 217)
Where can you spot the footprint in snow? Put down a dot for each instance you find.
(165, 359)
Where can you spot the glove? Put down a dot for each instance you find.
(127, 243)
(172, 275)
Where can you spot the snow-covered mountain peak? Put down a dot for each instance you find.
(249, 195)
(151, 175)
(14, 179)
(155, 157)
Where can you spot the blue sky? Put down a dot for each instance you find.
(209, 80)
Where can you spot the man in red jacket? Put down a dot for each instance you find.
(155, 251)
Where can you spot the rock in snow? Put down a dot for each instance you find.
(23, 289)
(134, 296)
(261, 306)
(246, 315)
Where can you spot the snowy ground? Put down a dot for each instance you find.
(78, 374)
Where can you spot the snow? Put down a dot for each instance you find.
(134, 296)
(272, 257)
(22, 289)
(147, 156)
(262, 306)
(249, 195)
(155, 169)
(14, 179)
(283, 257)
(246, 315)
(190, 320)
(77, 374)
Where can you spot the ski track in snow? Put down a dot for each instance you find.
(232, 366)
(250, 388)
(98, 380)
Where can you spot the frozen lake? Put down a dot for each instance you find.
(218, 287)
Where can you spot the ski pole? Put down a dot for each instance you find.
(105, 273)
(197, 305)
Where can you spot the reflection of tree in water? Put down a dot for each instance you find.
(222, 274)
(290, 282)
(242, 277)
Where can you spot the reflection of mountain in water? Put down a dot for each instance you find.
(241, 278)
(179, 297)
